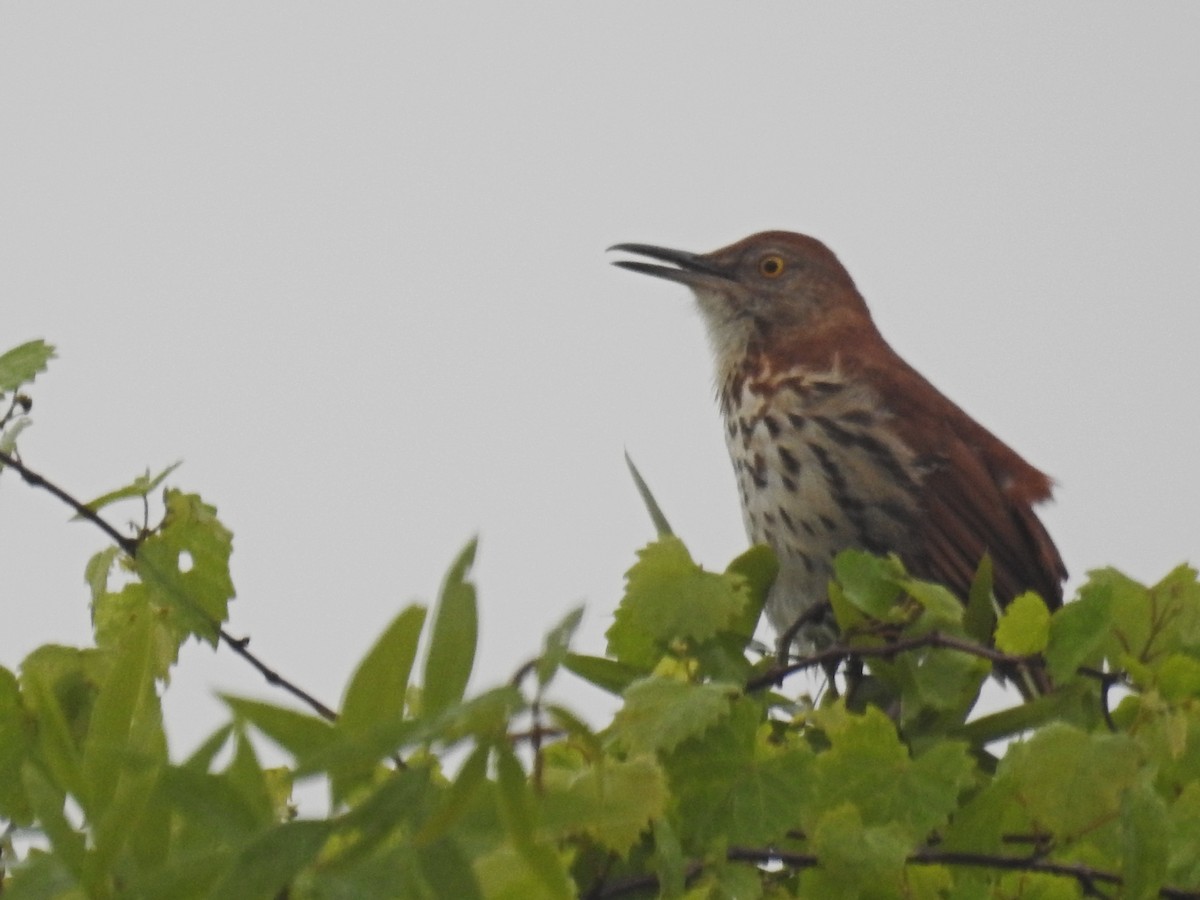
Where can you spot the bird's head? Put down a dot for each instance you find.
(768, 287)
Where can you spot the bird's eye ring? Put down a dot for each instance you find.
(771, 266)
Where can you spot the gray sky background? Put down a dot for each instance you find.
(347, 261)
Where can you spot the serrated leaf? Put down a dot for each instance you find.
(1024, 626)
(759, 567)
(661, 525)
(23, 363)
(659, 713)
(731, 783)
(1067, 779)
(855, 857)
(668, 597)
(377, 688)
(614, 802)
(186, 563)
(868, 766)
(455, 633)
(557, 645)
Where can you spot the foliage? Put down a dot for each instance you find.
(718, 777)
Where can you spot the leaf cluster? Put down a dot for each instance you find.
(720, 775)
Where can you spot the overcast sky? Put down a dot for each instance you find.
(347, 261)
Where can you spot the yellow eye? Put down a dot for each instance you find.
(771, 266)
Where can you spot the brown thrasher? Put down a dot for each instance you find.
(838, 443)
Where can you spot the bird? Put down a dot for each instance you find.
(838, 443)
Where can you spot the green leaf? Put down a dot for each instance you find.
(374, 698)
(455, 801)
(868, 766)
(661, 525)
(1024, 626)
(508, 873)
(758, 568)
(1179, 677)
(268, 864)
(856, 859)
(377, 688)
(940, 608)
(8, 440)
(1145, 841)
(870, 583)
(448, 870)
(17, 737)
(186, 563)
(1078, 631)
(455, 632)
(59, 687)
(299, 733)
(139, 487)
(516, 805)
(669, 598)
(124, 751)
(557, 645)
(211, 804)
(46, 800)
(659, 713)
(1067, 780)
(606, 674)
(733, 784)
(979, 616)
(613, 802)
(22, 364)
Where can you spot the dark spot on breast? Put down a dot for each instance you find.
(789, 460)
(759, 471)
(787, 520)
(797, 420)
(772, 426)
(829, 524)
(789, 484)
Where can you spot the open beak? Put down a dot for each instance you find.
(691, 269)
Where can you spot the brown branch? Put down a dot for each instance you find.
(130, 546)
(1086, 876)
(934, 639)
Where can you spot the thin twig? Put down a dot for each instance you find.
(130, 546)
(1086, 877)
(934, 639)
